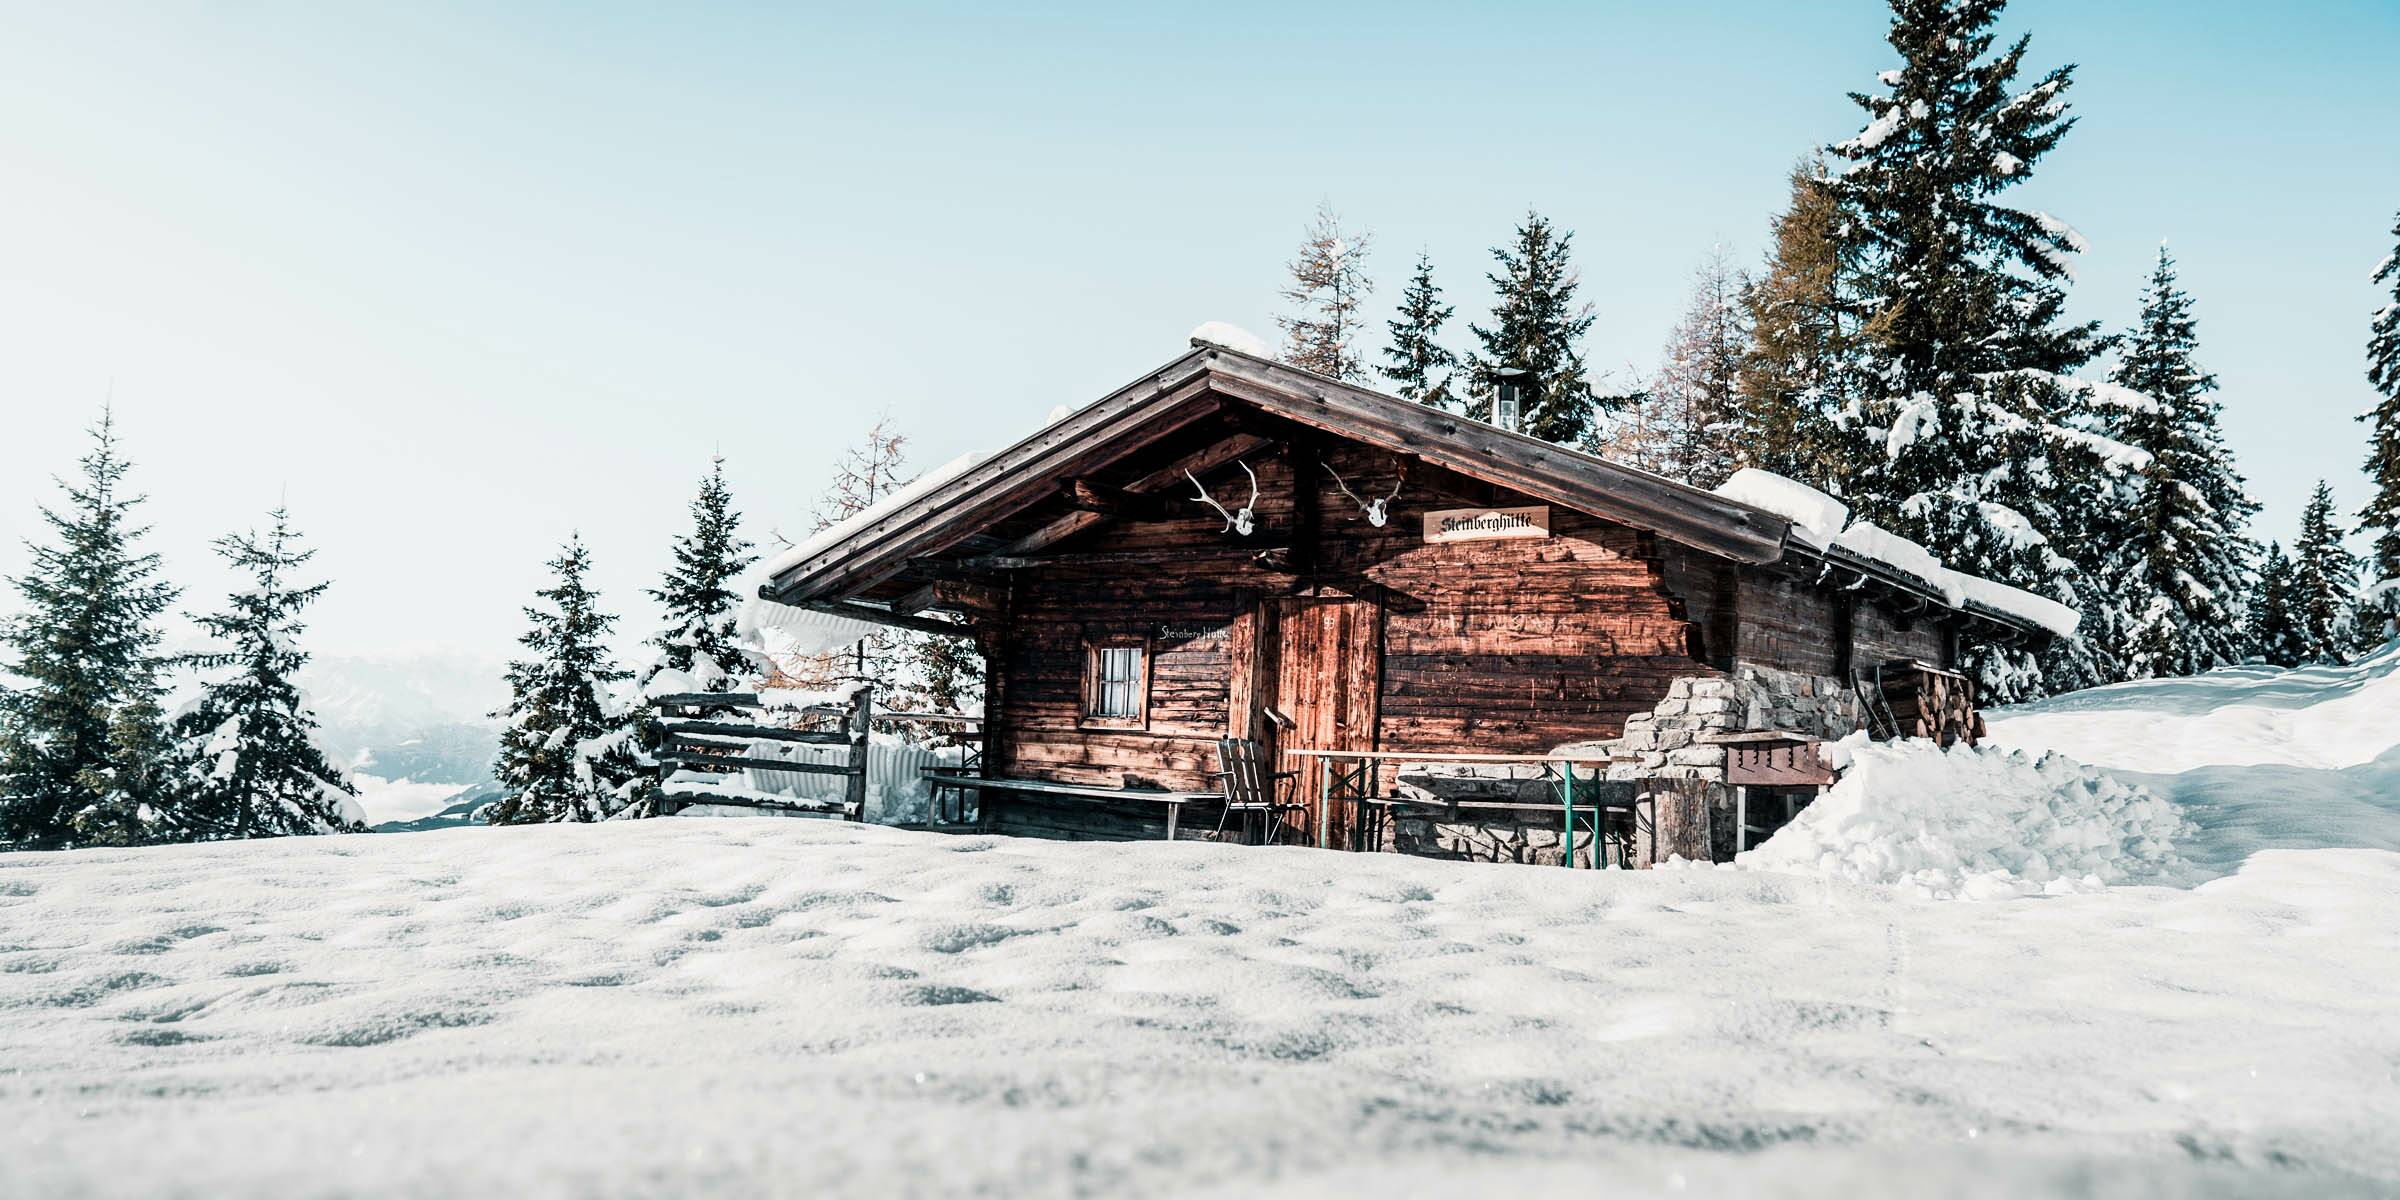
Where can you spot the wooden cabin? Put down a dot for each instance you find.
(1232, 546)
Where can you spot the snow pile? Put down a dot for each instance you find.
(1976, 823)
(1233, 337)
(2259, 758)
(1815, 516)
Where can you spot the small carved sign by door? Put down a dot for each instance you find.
(1486, 524)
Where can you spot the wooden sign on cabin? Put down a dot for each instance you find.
(1487, 524)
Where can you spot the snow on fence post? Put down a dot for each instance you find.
(862, 737)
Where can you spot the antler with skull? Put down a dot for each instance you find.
(1242, 522)
(1376, 511)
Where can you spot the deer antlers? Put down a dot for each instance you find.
(1376, 511)
(1242, 522)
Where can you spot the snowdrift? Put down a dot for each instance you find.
(813, 1008)
(2256, 758)
(1975, 823)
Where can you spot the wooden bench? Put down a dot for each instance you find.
(1093, 793)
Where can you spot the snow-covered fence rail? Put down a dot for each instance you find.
(706, 756)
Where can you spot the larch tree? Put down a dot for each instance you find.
(1967, 435)
(1416, 362)
(2382, 513)
(1690, 412)
(2184, 564)
(1791, 376)
(909, 670)
(564, 755)
(2324, 590)
(2274, 632)
(1329, 284)
(247, 761)
(81, 721)
(1538, 326)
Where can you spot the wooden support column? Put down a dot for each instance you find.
(1680, 822)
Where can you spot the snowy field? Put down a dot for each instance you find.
(803, 1008)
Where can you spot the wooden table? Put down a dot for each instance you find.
(1355, 771)
(1174, 801)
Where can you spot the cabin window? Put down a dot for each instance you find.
(1117, 682)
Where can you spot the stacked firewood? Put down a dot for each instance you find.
(1912, 700)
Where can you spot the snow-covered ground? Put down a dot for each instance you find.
(804, 1008)
(2257, 757)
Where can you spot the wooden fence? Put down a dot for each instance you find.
(707, 740)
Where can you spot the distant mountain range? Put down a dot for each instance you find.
(413, 731)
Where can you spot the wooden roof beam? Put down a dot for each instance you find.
(1199, 462)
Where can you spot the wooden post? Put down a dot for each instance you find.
(862, 707)
(1679, 825)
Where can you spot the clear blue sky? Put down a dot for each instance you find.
(461, 280)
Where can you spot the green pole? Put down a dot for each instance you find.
(1569, 793)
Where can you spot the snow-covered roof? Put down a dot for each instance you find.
(1823, 523)
(1815, 516)
(891, 502)
(1757, 517)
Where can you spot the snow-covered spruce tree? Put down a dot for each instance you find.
(1416, 362)
(2183, 568)
(697, 649)
(136, 796)
(2382, 513)
(1690, 410)
(560, 702)
(1329, 283)
(1538, 327)
(246, 756)
(80, 688)
(2274, 631)
(1797, 354)
(2324, 592)
(1968, 437)
(698, 642)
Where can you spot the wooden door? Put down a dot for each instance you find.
(1328, 671)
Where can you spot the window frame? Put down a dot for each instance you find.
(1093, 681)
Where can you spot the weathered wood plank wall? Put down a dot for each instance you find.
(1513, 645)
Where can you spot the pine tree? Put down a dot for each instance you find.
(247, 760)
(565, 753)
(698, 642)
(83, 708)
(1538, 327)
(2183, 564)
(2324, 595)
(1790, 379)
(1689, 414)
(1417, 364)
(1964, 433)
(2382, 512)
(2274, 632)
(1329, 283)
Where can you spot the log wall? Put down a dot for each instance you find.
(1512, 645)
(1505, 645)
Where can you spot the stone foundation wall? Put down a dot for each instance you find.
(1667, 739)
